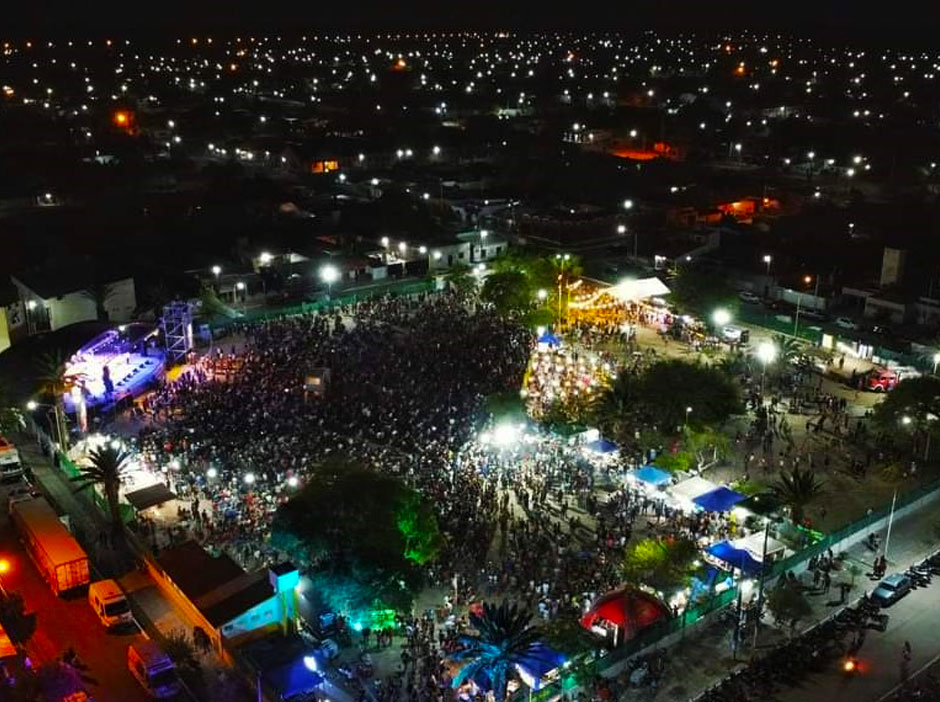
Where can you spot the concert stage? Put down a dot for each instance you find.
(117, 364)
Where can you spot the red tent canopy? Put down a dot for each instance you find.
(628, 608)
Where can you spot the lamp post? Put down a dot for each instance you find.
(688, 411)
(760, 584)
(767, 353)
(767, 260)
(329, 274)
(240, 286)
(32, 406)
(721, 317)
(806, 280)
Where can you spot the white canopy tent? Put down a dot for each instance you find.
(628, 290)
(754, 545)
(690, 489)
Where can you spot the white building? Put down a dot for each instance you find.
(53, 299)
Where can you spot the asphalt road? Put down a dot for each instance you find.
(913, 619)
(63, 622)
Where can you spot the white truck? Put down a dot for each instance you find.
(11, 469)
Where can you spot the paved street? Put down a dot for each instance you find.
(68, 622)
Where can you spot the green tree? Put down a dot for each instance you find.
(662, 564)
(712, 396)
(108, 466)
(365, 532)
(796, 489)
(461, 279)
(788, 348)
(564, 633)
(510, 292)
(615, 410)
(912, 407)
(708, 446)
(11, 418)
(19, 624)
(787, 603)
(504, 639)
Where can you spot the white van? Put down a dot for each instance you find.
(153, 669)
(109, 603)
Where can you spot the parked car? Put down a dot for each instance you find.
(731, 334)
(814, 315)
(19, 492)
(846, 323)
(891, 589)
(748, 296)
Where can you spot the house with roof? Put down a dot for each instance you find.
(59, 295)
(231, 605)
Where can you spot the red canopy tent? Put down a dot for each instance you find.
(628, 608)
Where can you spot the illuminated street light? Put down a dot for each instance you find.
(721, 317)
(293, 482)
(542, 294)
(621, 229)
(265, 258)
(249, 478)
(768, 259)
(385, 241)
(217, 271)
(329, 274)
(212, 473)
(628, 204)
(402, 247)
(32, 404)
(936, 360)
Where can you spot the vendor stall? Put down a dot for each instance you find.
(686, 491)
(620, 614)
(651, 475)
(721, 499)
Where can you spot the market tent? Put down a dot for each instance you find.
(652, 475)
(537, 662)
(626, 606)
(601, 446)
(739, 558)
(549, 339)
(692, 488)
(150, 496)
(642, 289)
(754, 544)
(721, 499)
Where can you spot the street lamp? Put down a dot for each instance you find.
(688, 411)
(4, 569)
(628, 204)
(32, 406)
(936, 360)
(807, 279)
(621, 229)
(217, 271)
(767, 354)
(241, 286)
(329, 274)
(265, 258)
(542, 294)
(768, 259)
(721, 317)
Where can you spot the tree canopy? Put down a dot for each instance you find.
(649, 399)
(365, 534)
(509, 292)
(662, 564)
(796, 489)
(918, 400)
(702, 290)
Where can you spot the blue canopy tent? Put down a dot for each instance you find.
(549, 339)
(736, 557)
(721, 499)
(539, 661)
(601, 446)
(652, 475)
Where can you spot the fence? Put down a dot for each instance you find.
(401, 288)
(769, 320)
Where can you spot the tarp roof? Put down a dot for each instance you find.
(652, 475)
(538, 662)
(720, 499)
(642, 289)
(754, 544)
(601, 446)
(692, 488)
(150, 496)
(550, 339)
(735, 557)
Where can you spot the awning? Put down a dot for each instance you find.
(754, 544)
(151, 496)
(735, 557)
(633, 290)
(537, 662)
(601, 446)
(719, 500)
(652, 476)
(549, 339)
(692, 488)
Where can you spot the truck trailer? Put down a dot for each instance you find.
(57, 555)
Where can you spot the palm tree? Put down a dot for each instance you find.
(55, 379)
(796, 489)
(100, 294)
(11, 419)
(504, 639)
(788, 348)
(614, 409)
(108, 467)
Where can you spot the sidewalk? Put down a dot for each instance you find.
(155, 613)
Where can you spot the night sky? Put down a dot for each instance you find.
(900, 22)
